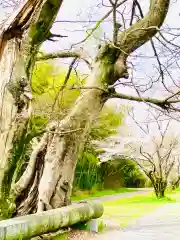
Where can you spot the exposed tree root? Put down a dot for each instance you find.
(25, 179)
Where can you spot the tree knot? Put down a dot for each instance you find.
(164, 105)
(21, 93)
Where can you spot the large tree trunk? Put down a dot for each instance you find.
(28, 227)
(160, 191)
(47, 181)
(61, 145)
(160, 186)
(20, 40)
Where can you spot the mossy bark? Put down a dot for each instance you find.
(21, 37)
(61, 144)
(37, 224)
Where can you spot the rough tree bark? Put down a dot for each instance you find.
(47, 181)
(20, 39)
(176, 184)
(159, 184)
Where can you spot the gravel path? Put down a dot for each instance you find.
(163, 224)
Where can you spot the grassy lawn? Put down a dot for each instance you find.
(127, 210)
(81, 195)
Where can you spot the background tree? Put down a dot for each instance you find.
(158, 156)
(175, 175)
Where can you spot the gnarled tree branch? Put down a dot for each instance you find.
(160, 103)
(144, 29)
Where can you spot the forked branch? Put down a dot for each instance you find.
(144, 29)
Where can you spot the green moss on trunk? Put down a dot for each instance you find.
(16, 155)
(40, 31)
(18, 161)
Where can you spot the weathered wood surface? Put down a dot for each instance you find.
(37, 224)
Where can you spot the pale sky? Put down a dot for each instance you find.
(83, 10)
(144, 67)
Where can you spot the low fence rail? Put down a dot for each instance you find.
(29, 226)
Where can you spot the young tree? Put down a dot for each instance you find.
(158, 157)
(175, 175)
(156, 152)
(47, 181)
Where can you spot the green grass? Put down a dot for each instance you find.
(81, 195)
(127, 210)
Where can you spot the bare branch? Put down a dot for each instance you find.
(133, 12)
(63, 54)
(160, 103)
(146, 155)
(99, 23)
(173, 95)
(116, 25)
(65, 82)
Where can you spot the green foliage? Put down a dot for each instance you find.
(121, 172)
(80, 226)
(42, 77)
(48, 87)
(101, 226)
(7, 208)
(20, 156)
(37, 124)
(107, 124)
(88, 173)
(113, 174)
(87, 170)
(133, 177)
